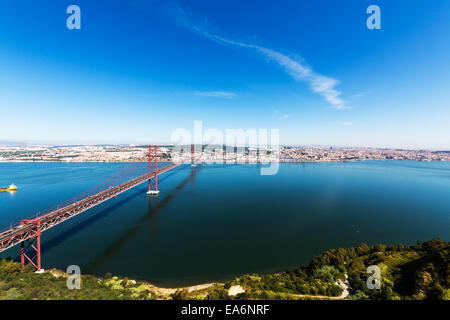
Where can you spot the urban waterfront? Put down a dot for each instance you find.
(214, 222)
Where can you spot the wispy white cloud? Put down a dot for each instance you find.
(323, 85)
(281, 115)
(216, 94)
(345, 124)
(361, 94)
(298, 70)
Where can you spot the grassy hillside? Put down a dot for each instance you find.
(17, 284)
(421, 271)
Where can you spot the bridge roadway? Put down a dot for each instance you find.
(29, 228)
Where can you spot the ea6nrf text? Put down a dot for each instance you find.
(229, 310)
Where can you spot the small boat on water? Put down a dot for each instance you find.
(12, 187)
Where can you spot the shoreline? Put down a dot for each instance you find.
(167, 292)
(162, 291)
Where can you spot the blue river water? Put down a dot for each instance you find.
(214, 222)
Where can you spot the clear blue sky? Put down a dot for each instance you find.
(137, 70)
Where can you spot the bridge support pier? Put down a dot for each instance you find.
(192, 155)
(35, 245)
(153, 183)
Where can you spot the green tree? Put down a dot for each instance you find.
(363, 249)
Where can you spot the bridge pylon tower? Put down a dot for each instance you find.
(35, 245)
(153, 183)
(192, 155)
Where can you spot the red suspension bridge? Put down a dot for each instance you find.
(27, 232)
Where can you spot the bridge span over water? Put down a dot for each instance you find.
(27, 232)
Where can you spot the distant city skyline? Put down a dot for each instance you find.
(37, 144)
(215, 154)
(138, 70)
